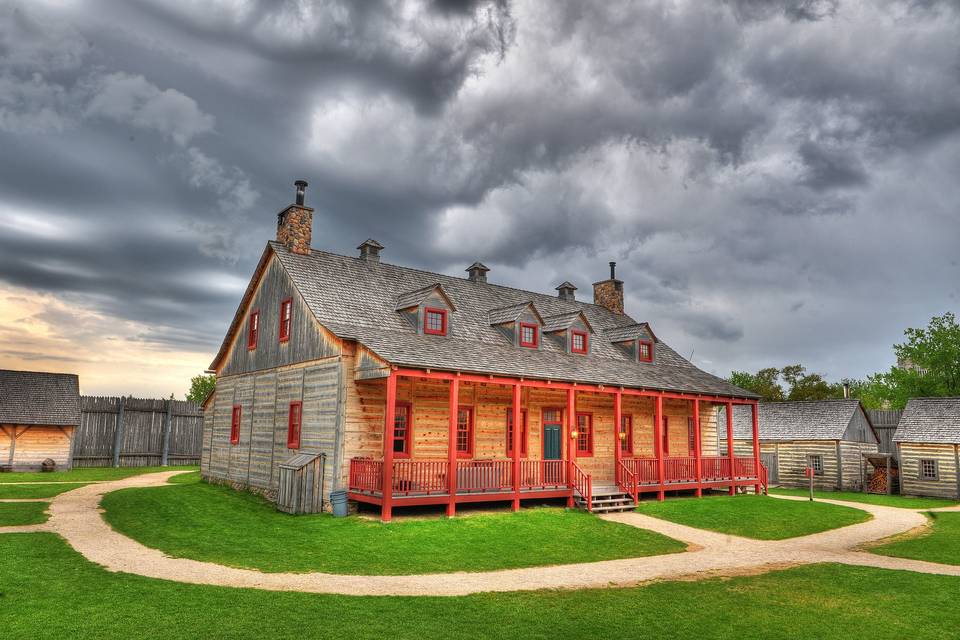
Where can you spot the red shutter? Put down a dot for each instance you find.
(294, 420)
(691, 437)
(626, 428)
(465, 432)
(235, 424)
(523, 432)
(666, 437)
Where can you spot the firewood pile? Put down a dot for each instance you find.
(878, 481)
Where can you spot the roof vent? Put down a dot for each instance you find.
(478, 272)
(370, 251)
(566, 290)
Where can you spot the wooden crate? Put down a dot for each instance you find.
(301, 484)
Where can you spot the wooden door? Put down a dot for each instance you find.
(769, 460)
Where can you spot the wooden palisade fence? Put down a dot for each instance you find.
(885, 424)
(136, 432)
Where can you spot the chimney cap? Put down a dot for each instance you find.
(301, 186)
(370, 243)
(478, 266)
(566, 284)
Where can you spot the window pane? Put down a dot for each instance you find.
(435, 321)
(400, 426)
(463, 430)
(551, 416)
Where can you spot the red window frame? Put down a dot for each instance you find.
(403, 411)
(584, 434)
(523, 432)
(691, 437)
(286, 319)
(649, 356)
(442, 331)
(253, 330)
(235, 418)
(573, 342)
(464, 432)
(665, 437)
(626, 426)
(294, 424)
(533, 344)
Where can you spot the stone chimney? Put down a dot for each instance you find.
(609, 293)
(566, 290)
(478, 272)
(295, 223)
(370, 251)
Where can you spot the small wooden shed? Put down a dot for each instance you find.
(301, 484)
(39, 414)
(928, 439)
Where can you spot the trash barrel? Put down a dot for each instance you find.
(339, 501)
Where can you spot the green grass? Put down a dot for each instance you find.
(37, 490)
(185, 478)
(86, 474)
(17, 513)
(48, 590)
(750, 516)
(215, 523)
(904, 502)
(941, 543)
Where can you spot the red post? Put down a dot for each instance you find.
(733, 488)
(658, 443)
(696, 446)
(517, 427)
(454, 404)
(571, 442)
(617, 443)
(386, 507)
(756, 445)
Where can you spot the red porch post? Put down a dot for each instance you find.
(696, 447)
(386, 506)
(517, 427)
(571, 442)
(730, 455)
(454, 403)
(658, 443)
(617, 426)
(756, 444)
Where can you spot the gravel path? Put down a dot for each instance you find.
(25, 500)
(75, 515)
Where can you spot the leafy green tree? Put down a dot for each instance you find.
(765, 383)
(201, 386)
(809, 386)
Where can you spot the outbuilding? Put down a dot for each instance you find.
(928, 439)
(39, 415)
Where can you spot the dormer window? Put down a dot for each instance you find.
(578, 341)
(435, 321)
(645, 350)
(529, 335)
(286, 315)
(253, 330)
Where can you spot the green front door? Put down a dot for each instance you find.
(551, 442)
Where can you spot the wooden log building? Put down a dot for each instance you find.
(411, 384)
(928, 439)
(39, 413)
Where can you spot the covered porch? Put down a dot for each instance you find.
(448, 438)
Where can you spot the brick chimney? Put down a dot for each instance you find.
(295, 223)
(609, 293)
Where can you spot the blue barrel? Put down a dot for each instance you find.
(339, 501)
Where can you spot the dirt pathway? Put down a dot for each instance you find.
(75, 515)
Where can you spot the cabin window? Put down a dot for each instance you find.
(584, 434)
(665, 436)
(235, 424)
(529, 335)
(645, 350)
(464, 432)
(286, 316)
(294, 419)
(523, 432)
(691, 437)
(435, 321)
(402, 430)
(928, 470)
(253, 330)
(816, 463)
(578, 341)
(626, 434)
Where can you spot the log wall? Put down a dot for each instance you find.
(910, 481)
(25, 447)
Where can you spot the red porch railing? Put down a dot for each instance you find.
(627, 481)
(429, 477)
(419, 477)
(583, 483)
(715, 468)
(484, 475)
(543, 474)
(644, 468)
(680, 469)
(744, 468)
(366, 475)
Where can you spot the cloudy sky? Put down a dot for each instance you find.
(779, 181)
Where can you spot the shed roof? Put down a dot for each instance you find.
(802, 420)
(38, 398)
(930, 420)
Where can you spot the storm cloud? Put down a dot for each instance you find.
(777, 180)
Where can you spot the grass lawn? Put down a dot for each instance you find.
(49, 590)
(904, 502)
(207, 522)
(86, 474)
(750, 516)
(940, 544)
(17, 513)
(37, 490)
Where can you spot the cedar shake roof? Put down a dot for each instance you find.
(417, 296)
(32, 397)
(563, 321)
(356, 300)
(630, 332)
(805, 420)
(930, 420)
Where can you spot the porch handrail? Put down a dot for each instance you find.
(366, 475)
(583, 483)
(627, 482)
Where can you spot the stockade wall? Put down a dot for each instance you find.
(885, 424)
(142, 433)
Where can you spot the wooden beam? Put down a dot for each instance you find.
(386, 506)
(956, 468)
(517, 430)
(755, 415)
(453, 403)
(658, 443)
(617, 426)
(698, 455)
(889, 479)
(571, 441)
(118, 432)
(165, 454)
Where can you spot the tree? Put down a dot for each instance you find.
(809, 386)
(201, 386)
(765, 383)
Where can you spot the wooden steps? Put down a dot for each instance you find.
(607, 500)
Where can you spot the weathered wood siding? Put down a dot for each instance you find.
(792, 461)
(34, 444)
(264, 398)
(851, 453)
(911, 483)
(859, 429)
(885, 424)
(308, 341)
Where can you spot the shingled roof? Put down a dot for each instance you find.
(356, 300)
(36, 398)
(932, 420)
(806, 420)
